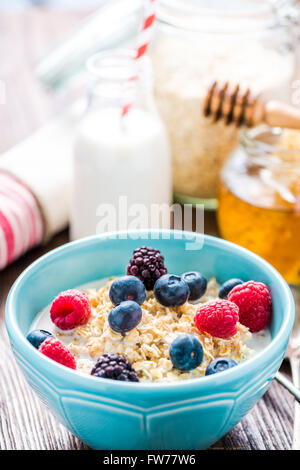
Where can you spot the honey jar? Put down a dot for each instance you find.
(259, 198)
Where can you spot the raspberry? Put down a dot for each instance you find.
(254, 302)
(148, 265)
(57, 351)
(218, 318)
(70, 309)
(115, 367)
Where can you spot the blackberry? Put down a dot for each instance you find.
(147, 264)
(115, 367)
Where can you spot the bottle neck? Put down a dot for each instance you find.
(118, 80)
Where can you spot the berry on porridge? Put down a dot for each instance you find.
(197, 285)
(219, 365)
(254, 302)
(125, 317)
(70, 309)
(116, 367)
(186, 352)
(127, 288)
(171, 291)
(147, 264)
(149, 326)
(57, 351)
(36, 337)
(228, 286)
(218, 318)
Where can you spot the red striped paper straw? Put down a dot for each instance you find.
(144, 39)
(145, 34)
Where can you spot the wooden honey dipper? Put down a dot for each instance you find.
(237, 106)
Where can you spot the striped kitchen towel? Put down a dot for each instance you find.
(21, 224)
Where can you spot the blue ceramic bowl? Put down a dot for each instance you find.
(107, 414)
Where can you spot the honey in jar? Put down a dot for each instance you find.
(259, 198)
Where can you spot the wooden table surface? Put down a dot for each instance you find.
(25, 423)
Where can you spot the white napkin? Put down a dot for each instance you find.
(43, 164)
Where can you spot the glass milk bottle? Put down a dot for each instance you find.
(121, 167)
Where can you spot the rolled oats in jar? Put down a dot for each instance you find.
(195, 44)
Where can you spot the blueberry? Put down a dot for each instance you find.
(197, 284)
(219, 365)
(186, 352)
(228, 286)
(171, 290)
(127, 288)
(36, 337)
(125, 317)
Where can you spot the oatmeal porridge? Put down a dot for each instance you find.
(119, 318)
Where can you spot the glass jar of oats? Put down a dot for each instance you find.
(259, 198)
(197, 42)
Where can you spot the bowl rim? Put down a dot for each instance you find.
(73, 377)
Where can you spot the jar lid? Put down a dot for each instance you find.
(211, 16)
